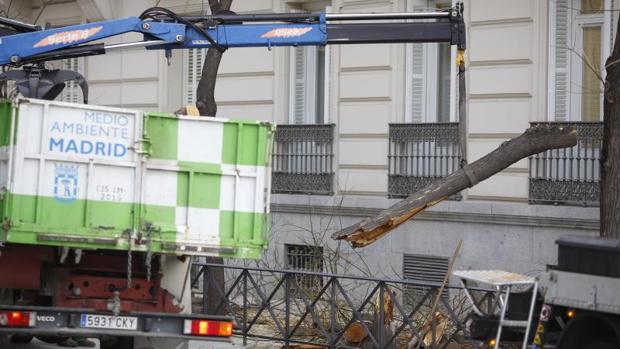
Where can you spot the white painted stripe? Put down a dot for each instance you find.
(160, 188)
(63, 180)
(198, 225)
(242, 184)
(200, 141)
(69, 181)
(112, 183)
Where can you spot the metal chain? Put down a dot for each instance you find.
(149, 251)
(129, 258)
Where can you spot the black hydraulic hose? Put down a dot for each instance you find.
(148, 13)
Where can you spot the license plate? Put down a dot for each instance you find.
(110, 322)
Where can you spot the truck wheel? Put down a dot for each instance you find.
(21, 338)
(113, 342)
(52, 339)
(5, 341)
(601, 345)
(591, 331)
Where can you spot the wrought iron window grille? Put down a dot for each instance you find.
(569, 176)
(419, 154)
(305, 258)
(303, 159)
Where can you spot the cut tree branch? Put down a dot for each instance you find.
(533, 141)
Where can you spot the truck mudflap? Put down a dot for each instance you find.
(89, 323)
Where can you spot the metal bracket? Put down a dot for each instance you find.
(35, 82)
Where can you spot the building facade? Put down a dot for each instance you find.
(364, 125)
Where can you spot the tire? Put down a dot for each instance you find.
(51, 339)
(5, 341)
(21, 338)
(590, 331)
(112, 342)
(601, 345)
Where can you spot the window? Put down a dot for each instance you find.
(306, 258)
(580, 41)
(192, 71)
(431, 86)
(423, 268)
(72, 92)
(309, 77)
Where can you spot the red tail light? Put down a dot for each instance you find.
(17, 318)
(208, 328)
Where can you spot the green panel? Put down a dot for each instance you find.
(163, 219)
(229, 146)
(245, 143)
(182, 189)
(109, 221)
(240, 228)
(104, 228)
(5, 123)
(202, 167)
(33, 218)
(237, 230)
(77, 214)
(198, 185)
(105, 214)
(22, 208)
(161, 130)
(204, 190)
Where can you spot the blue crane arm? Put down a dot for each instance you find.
(24, 47)
(17, 48)
(163, 29)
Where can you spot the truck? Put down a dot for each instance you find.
(102, 208)
(573, 305)
(581, 306)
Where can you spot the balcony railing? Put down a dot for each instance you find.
(302, 159)
(570, 175)
(420, 154)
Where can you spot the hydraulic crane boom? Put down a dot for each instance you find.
(24, 44)
(164, 29)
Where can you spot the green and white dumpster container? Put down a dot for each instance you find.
(107, 178)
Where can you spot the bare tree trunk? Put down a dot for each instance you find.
(205, 101)
(610, 155)
(534, 140)
(208, 107)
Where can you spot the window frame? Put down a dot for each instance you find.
(305, 282)
(574, 68)
(310, 82)
(429, 77)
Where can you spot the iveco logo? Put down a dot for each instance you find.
(46, 318)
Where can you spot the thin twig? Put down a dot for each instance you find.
(431, 314)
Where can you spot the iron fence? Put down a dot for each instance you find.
(302, 159)
(420, 154)
(570, 175)
(265, 307)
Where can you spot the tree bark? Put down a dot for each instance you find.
(205, 101)
(610, 154)
(534, 140)
(207, 106)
